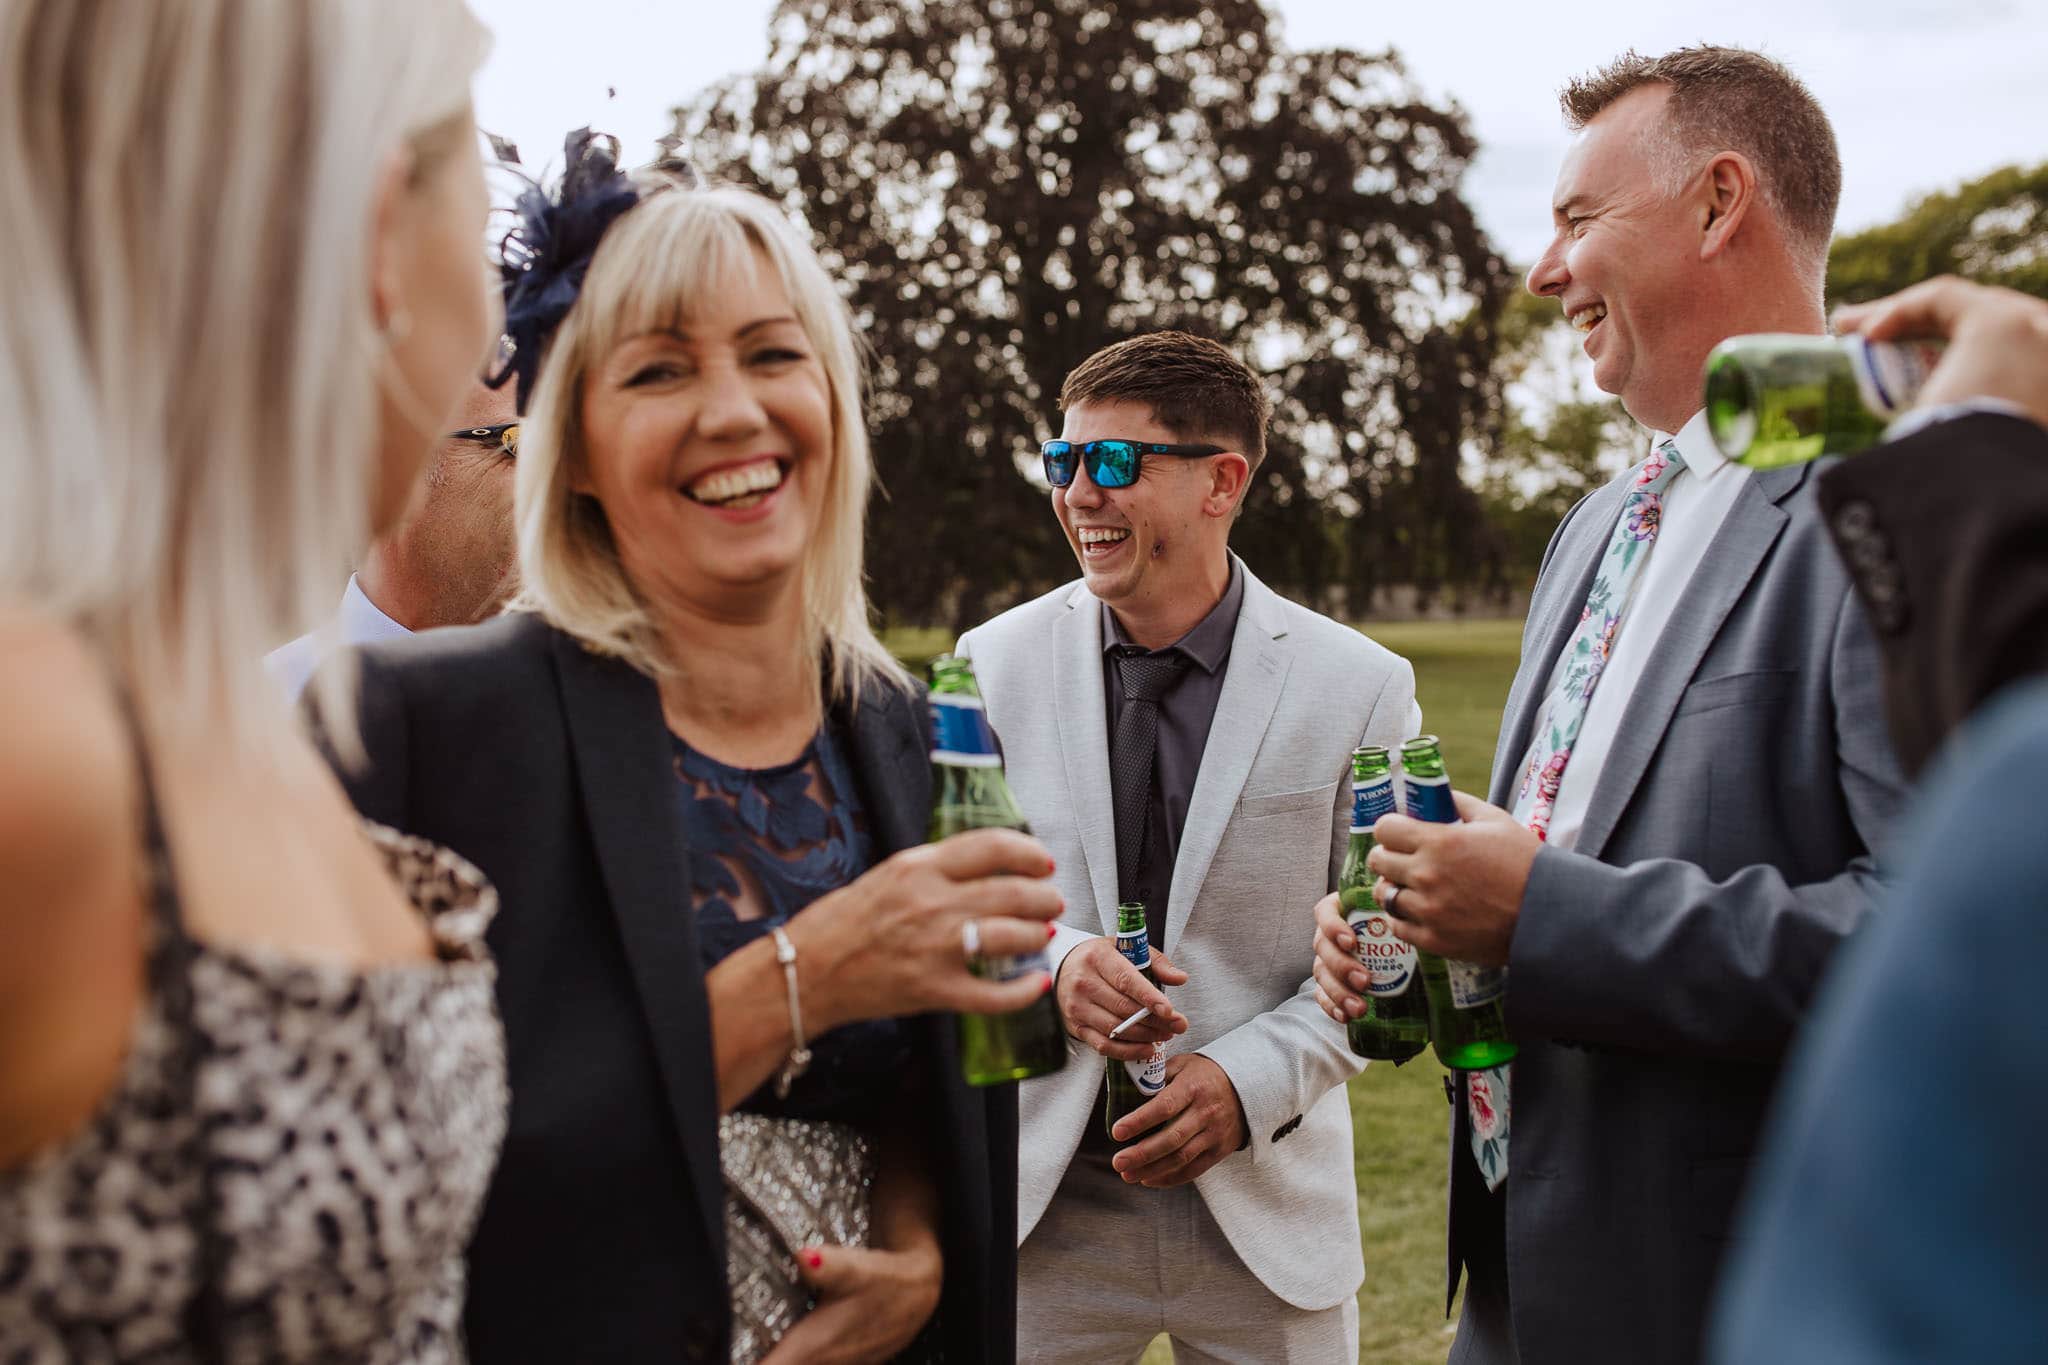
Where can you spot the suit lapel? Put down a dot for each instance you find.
(1083, 726)
(621, 757)
(1738, 550)
(883, 735)
(1550, 624)
(1252, 682)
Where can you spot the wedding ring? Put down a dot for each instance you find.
(1387, 904)
(970, 941)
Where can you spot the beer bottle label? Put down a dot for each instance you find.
(1389, 960)
(1473, 986)
(998, 968)
(960, 732)
(1429, 798)
(1890, 374)
(1136, 948)
(1149, 1075)
(1369, 801)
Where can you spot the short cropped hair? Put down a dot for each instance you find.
(1194, 387)
(1732, 99)
(676, 246)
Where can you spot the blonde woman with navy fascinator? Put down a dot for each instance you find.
(738, 1126)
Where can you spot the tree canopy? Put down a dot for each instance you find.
(1005, 186)
(1993, 229)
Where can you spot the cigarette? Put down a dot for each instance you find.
(1130, 1021)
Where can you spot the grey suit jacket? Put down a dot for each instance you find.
(1265, 836)
(1660, 970)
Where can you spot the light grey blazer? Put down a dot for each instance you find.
(1660, 970)
(1265, 837)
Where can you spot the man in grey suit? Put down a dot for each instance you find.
(1693, 774)
(1180, 735)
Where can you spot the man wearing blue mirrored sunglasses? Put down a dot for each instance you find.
(1179, 735)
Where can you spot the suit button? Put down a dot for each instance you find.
(1855, 520)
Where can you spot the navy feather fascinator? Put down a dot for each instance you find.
(545, 254)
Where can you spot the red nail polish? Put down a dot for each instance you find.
(1051, 867)
(1050, 933)
(1047, 988)
(814, 1259)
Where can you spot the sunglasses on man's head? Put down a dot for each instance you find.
(1110, 463)
(505, 436)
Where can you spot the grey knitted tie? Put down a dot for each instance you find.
(1146, 678)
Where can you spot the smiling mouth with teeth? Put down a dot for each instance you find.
(1588, 317)
(1103, 536)
(739, 488)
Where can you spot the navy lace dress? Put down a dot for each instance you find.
(765, 843)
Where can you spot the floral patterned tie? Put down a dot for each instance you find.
(1487, 1096)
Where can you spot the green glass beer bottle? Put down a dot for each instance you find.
(1133, 1083)
(968, 792)
(1467, 1002)
(1395, 1025)
(1776, 399)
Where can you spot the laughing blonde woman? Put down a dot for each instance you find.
(701, 786)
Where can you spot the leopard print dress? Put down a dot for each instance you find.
(291, 1162)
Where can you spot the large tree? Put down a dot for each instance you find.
(1005, 186)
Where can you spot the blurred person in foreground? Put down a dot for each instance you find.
(1896, 1216)
(1692, 784)
(450, 561)
(1198, 762)
(701, 785)
(251, 1080)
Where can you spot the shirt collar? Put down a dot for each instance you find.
(1208, 644)
(1695, 446)
(362, 622)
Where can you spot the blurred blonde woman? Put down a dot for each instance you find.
(701, 786)
(251, 1079)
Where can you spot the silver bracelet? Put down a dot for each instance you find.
(799, 1055)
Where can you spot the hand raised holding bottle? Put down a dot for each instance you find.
(894, 941)
(1997, 340)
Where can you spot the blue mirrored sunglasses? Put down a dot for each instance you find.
(1111, 463)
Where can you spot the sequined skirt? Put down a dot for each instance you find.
(789, 1184)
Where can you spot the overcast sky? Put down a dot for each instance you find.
(1924, 94)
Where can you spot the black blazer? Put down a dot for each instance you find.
(602, 1237)
(1946, 536)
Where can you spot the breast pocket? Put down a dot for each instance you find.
(1288, 803)
(1759, 687)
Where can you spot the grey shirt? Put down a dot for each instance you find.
(1185, 712)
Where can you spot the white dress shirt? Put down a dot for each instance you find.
(1695, 505)
(358, 622)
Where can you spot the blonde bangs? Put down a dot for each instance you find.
(653, 264)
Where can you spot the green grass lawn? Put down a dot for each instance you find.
(1462, 672)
